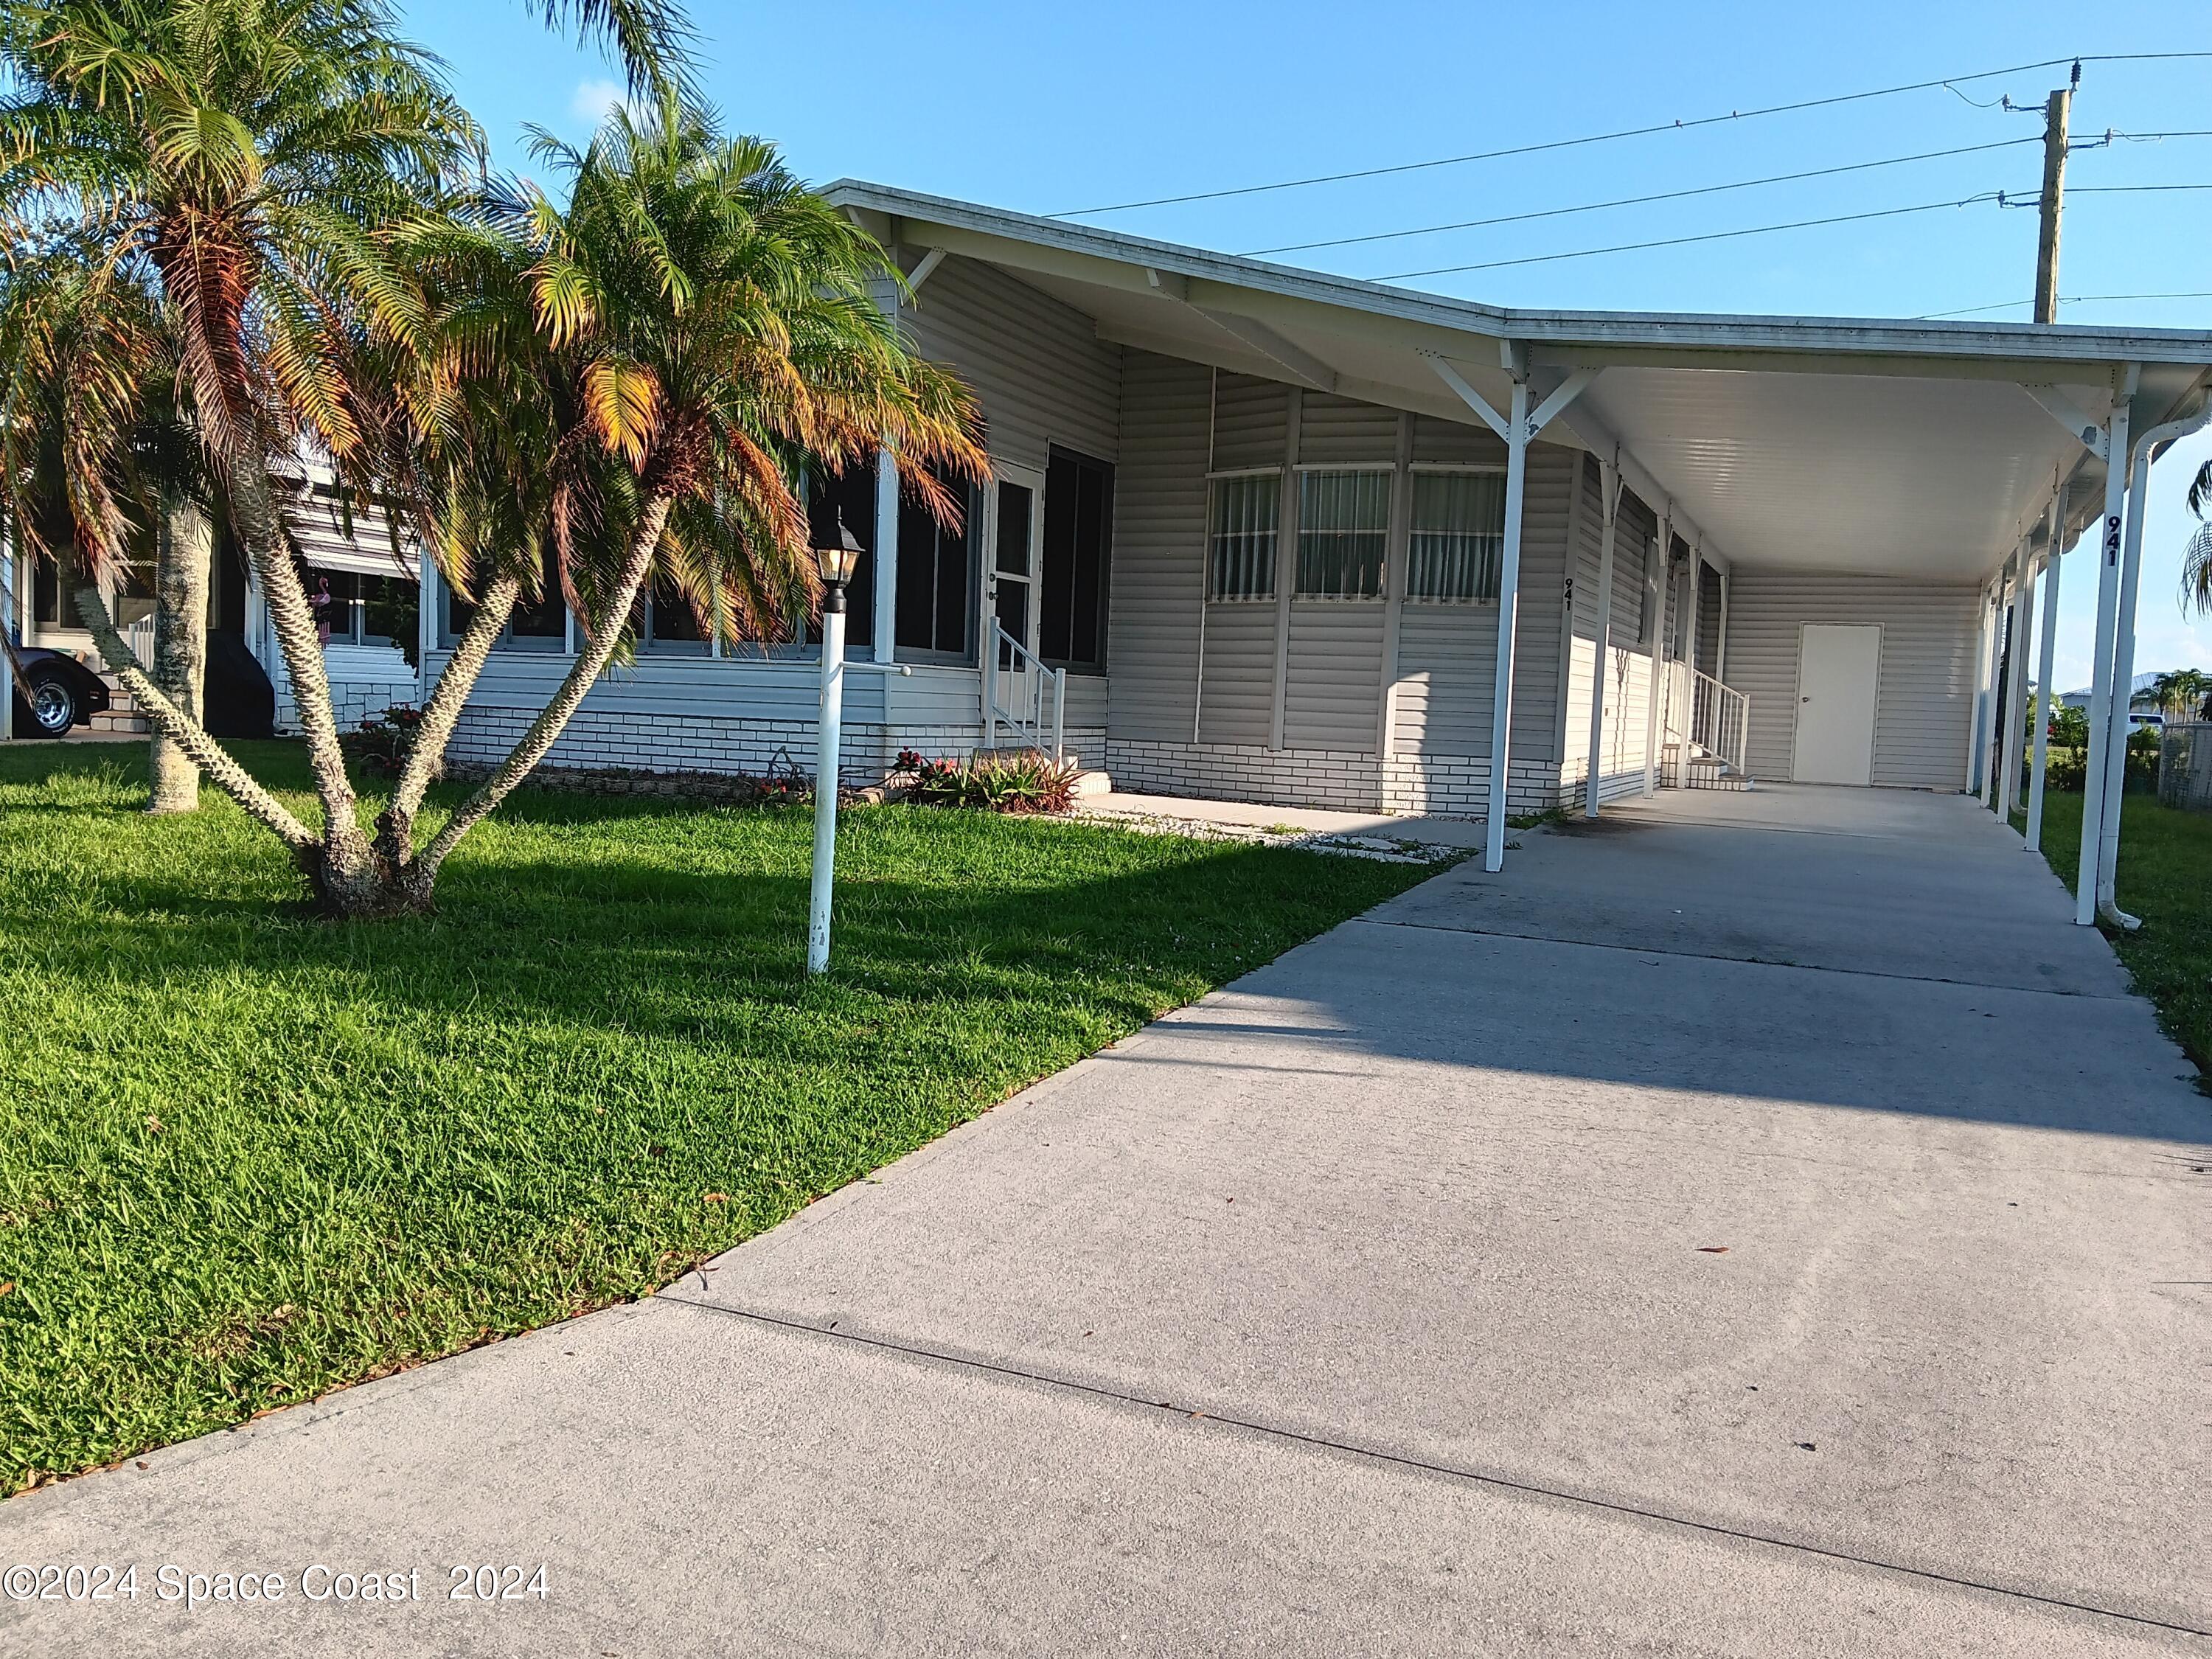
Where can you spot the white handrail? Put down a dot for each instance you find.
(1025, 714)
(1702, 716)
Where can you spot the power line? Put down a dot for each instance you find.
(1639, 201)
(2064, 300)
(1609, 138)
(1683, 241)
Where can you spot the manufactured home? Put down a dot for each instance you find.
(1257, 533)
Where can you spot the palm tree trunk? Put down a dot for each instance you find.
(180, 604)
(199, 748)
(395, 825)
(346, 855)
(549, 725)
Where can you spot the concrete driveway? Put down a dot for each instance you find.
(1760, 1225)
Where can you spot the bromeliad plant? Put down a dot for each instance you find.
(1026, 783)
(282, 201)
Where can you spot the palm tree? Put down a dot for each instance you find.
(2196, 557)
(623, 388)
(256, 201)
(69, 141)
(227, 176)
(2180, 694)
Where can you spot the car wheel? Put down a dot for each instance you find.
(53, 706)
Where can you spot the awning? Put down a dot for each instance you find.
(319, 533)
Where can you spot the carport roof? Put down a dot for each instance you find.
(1816, 443)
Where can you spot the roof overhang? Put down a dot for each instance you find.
(1840, 444)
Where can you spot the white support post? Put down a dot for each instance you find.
(2145, 450)
(1601, 639)
(1993, 684)
(1720, 634)
(826, 733)
(2045, 655)
(1654, 589)
(9, 629)
(426, 621)
(884, 632)
(2023, 629)
(2109, 540)
(1518, 428)
(1509, 595)
(2123, 685)
(1691, 623)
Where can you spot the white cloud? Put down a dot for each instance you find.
(592, 100)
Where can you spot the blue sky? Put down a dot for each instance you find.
(1048, 109)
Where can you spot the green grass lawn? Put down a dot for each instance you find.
(2165, 876)
(247, 1156)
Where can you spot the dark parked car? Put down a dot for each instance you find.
(64, 693)
(239, 701)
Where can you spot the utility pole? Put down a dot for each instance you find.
(2056, 114)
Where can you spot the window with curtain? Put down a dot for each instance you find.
(1457, 540)
(1241, 539)
(1343, 525)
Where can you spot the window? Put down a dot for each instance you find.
(668, 624)
(1344, 524)
(538, 624)
(936, 580)
(849, 497)
(1458, 537)
(52, 605)
(1078, 519)
(365, 610)
(1241, 537)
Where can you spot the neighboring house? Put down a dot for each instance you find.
(2080, 699)
(1258, 520)
(374, 613)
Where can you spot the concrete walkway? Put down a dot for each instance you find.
(1760, 1225)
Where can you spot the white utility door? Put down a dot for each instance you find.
(1839, 668)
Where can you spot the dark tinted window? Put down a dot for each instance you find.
(850, 495)
(935, 581)
(1078, 530)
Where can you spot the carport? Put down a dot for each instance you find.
(1849, 516)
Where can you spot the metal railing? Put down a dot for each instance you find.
(139, 636)
(1016, 685)
(1702, 717)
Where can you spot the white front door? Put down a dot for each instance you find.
(1839, 668)
(1010, 568)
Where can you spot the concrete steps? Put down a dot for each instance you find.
(123, 717)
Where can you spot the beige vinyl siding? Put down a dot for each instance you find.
(1336, 431)
(1628, 666)
(1160, 549)
(1447, 654)
(1333, 692)
(1236, 698)
(1925, 694)
(1251, 422)
(1037, 367)
(1454, 443)
(1536, 642)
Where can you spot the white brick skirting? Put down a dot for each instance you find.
(1454, 785)
(677, 741)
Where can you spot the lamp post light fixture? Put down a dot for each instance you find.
(836, 560)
